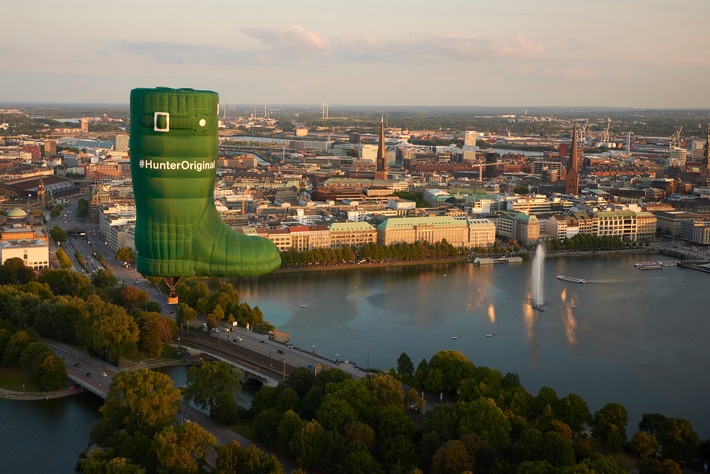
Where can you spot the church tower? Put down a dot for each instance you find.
(41, 196)
(572, 181)
(706, 154)
(381, 164)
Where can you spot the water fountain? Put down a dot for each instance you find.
(538, 266)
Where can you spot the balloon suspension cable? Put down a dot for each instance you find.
(172, 294)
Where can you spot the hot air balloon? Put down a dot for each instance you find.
(179, 233)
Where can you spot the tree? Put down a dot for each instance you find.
(125, 254)
(385, 390)
(103, 278)
(677, 439)
(130, 297)
(185, 314)
(63, 258)
(82, 208)
(16, 345)
(65, 282)
(446, 370)
(231, 458)
(334, 413)
(183, 449)
(483, 417)
(214, 385)
(644, 445)
(360, 436)
(573, 410)
(308, 444)
(609, 425)
(154, 332)
(140, 401)
(444, 420)
(451, 458)
(14, 270)
(106, 327)
(360, 462)
(558, 450)
(405, 367)
(58, 235)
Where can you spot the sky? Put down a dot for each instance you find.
(625, 53)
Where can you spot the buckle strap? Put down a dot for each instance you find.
(163, 122)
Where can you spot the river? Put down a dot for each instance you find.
(627, 336)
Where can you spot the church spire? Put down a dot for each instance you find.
(572, 181)
(381, 163)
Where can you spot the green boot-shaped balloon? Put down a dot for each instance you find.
(173, 162)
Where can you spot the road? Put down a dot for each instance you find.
(94, 374)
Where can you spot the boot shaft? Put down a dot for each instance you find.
(173, 143)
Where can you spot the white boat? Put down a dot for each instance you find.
(304, 306)
(454, 337)
(650, 266)
(489, 335)
(572, 279)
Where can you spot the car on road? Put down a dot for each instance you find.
(104, 374)
(280, 351)
(237, 338)
(88, 374)
(76, 364)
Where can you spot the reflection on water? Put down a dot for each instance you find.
(570, 326)
(491, 313)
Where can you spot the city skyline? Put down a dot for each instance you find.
(645, 54)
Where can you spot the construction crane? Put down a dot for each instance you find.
(605, 135)
(582, 131)
(674, 140)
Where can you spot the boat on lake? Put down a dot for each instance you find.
(649, 266)
(491, 261)
(572, 279)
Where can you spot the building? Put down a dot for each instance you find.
(696, 231)
(522, 228)
(572, 179)
(348, 234)
(481, 233)
(622, 224)
(423, 229)
(381, 161)
(20, 239)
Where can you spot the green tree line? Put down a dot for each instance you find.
(370, 252)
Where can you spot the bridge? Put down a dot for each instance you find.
(259, 357)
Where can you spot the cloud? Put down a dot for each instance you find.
(448, 46)
(293, 39)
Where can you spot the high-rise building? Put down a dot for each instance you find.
(572, 180)
(381, 163)
(50, 148)
(120, 142)
(84, 124)
(706, 154)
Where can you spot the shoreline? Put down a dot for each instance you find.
(61, 393)
(557, 254)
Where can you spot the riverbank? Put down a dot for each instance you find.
(13, 395)
(559, 253)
